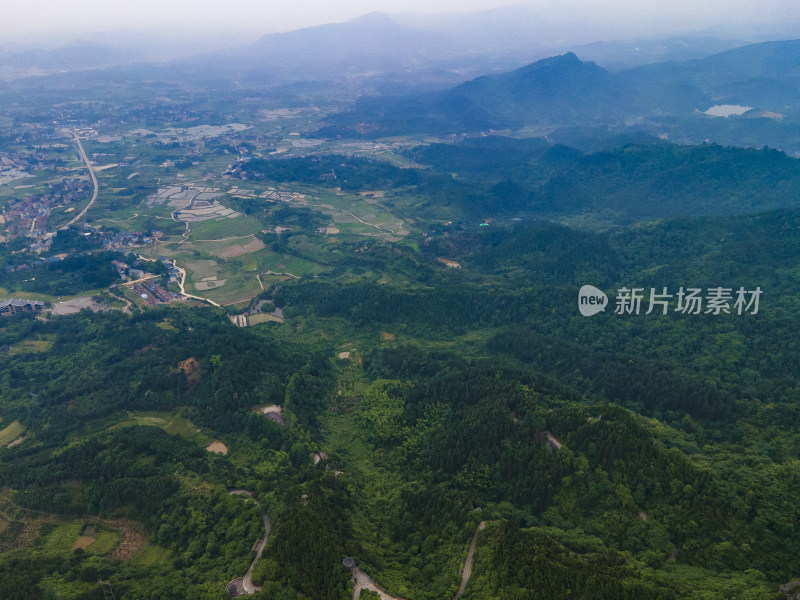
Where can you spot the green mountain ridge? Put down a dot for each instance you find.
(672, 477)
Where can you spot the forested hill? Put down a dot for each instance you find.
(763, 75)
(622, 455)
(559, 90)
(632, 183)
(640, 182)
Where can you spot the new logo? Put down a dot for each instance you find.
(591, 300)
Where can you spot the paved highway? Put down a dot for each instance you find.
(85, 158)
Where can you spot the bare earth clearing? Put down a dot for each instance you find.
(70, 307)
(217, 447)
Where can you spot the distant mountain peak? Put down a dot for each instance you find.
(558, 89)
(566, 58)
(375, 18)
(562, 62)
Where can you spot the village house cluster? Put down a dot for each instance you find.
(29, 216)
(153, 293)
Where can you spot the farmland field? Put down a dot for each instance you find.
(215, 230)
(104, 542)
(4, 293)
(30, 346)
(151, 555)
(155, 419)
(83, 542)
(236, 289)
(186, 429)
(279, 263)
(261, 318)
(171, 423)
(12, 432)
(62, 538)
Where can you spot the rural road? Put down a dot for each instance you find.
(148, 278)
(468, 564)
(286, 273)
(364, 582)
(359, 219)
(188, 230)
(247, 581)
(181, 282)
(229, 238)
(85, 158)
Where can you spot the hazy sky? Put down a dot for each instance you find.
(22, 17)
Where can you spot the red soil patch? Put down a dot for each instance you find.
(191, 369)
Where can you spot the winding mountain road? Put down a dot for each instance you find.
(468, 564)
(247, 581)
(362, 580)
